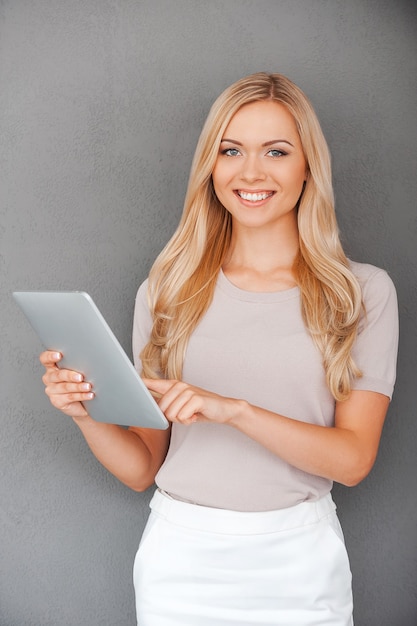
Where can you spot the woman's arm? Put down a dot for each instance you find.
(344, 453)
(133, 455)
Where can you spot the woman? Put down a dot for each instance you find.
(274, 358)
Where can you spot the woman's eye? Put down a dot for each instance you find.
(230, 152)
(276, 153)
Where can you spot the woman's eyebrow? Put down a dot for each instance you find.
(271, 143)
(232, 141)
(264, 145)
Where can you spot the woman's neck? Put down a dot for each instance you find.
(262, 261)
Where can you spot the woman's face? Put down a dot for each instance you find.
(260, 169)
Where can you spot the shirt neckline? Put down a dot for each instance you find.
(255, 296)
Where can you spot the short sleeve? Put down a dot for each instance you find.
(142, 324)
(375, 349)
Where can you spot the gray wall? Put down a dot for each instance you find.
(101, 105)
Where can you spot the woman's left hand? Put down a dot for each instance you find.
(186, 404)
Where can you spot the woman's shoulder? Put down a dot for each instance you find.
(142, 292)
(375, 282)
(142, 306)
(368, 274)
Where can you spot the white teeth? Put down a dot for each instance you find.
(253, 197)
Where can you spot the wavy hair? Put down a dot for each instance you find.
(183, 277)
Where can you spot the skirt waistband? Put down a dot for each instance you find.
(240, 522)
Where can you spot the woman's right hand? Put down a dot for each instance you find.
(65, 389)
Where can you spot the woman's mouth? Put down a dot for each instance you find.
(254, 196)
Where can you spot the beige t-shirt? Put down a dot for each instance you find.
(254, 346)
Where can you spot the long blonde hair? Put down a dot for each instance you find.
(183, 277)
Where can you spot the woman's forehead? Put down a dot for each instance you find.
(264, 120)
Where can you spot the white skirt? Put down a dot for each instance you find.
(200, 566)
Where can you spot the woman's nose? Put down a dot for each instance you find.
(252, 169)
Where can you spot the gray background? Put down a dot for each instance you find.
(101, 106)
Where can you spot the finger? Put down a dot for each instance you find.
(64, 401)
(190, 411)
(179, 402)
(65, 388)
(182, 407)
(56, 375)
(175, 396)
(50, 358)
(160, 385)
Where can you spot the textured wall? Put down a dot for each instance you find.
(101, 104)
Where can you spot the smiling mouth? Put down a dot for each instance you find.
(254, 197)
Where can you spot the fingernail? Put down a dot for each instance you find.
(86, 387)
(77, 377)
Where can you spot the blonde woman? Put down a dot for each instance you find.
(273, 356)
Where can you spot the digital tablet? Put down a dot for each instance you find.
(70, 323)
